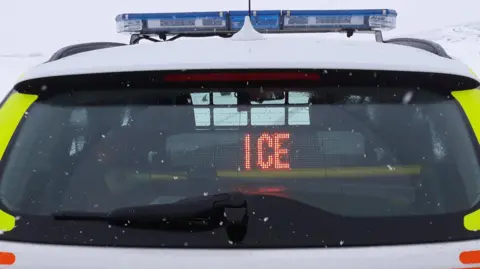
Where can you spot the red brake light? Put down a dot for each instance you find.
(247, 76)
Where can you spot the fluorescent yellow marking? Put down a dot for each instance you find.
(261, 175)
(470, 102)
(7, 221)
(325, 172)
(472, 221)
(11, 114)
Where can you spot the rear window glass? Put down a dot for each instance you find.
(368, 153)
(351, 151)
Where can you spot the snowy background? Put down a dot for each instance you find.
(33, 30)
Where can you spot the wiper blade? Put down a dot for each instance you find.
(208, 211)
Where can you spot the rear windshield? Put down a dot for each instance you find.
(320, 166)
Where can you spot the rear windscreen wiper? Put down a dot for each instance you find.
(196, 213)
(201, 207)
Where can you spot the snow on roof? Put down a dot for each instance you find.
(271, 52)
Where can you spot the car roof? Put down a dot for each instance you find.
(270, 52)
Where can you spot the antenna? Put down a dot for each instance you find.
(250, 9)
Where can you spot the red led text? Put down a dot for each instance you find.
(269, 151)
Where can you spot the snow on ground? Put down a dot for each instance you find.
(461, 41)
(13, 65)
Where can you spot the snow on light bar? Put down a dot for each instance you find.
(264, 21)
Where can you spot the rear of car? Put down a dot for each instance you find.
(343, 168)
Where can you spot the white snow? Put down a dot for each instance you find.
(225, 53)
(247, 33)
(461, 41)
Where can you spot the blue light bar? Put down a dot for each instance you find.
(152, 23)
(311, 21)
(264, 21)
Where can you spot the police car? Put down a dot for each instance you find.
(232, 148)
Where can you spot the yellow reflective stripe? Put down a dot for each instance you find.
(325, 172)
(11, 114)
(471, 221)
(469, 100)
(294, 173)
(7, 221)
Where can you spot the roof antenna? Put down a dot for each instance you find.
(248, 32)
(250, 9)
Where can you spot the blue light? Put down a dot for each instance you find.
(261, 20)
(150, 23)
(312, 21)
(264, 21)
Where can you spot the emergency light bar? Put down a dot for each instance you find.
(172, 23)
(264, 21)
(337, 19)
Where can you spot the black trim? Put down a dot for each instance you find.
(84, 47)
(422, 44)
(441, 83)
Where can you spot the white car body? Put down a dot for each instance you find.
(428, 256)
(217, 53)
